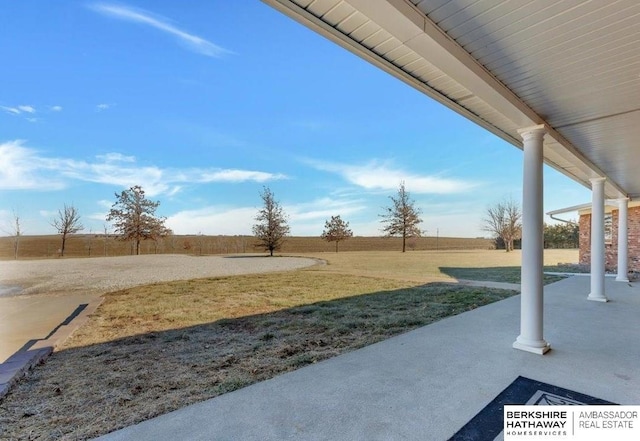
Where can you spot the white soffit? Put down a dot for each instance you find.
(507, 64)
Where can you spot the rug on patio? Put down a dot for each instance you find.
(488, 423)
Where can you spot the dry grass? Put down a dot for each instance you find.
(448, 265)
(92, 245)
(156, 348)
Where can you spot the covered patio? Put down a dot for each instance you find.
(559, 80)
(430, 383)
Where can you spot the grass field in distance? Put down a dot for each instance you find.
(94, 245)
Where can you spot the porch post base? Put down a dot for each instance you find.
(622, 279)
(597, 298)
(540, 350)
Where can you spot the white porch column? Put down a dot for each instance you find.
(623, 241)
(597, 241)
(531, 298)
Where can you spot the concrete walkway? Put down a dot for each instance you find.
(489, 284)
(49, 322)
(26, 319)
(428, 383)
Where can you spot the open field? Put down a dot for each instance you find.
(92, 245)
(155, 348)
(446, 266)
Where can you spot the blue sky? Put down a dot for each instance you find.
(203, 105)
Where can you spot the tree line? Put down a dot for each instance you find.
(503, 221)
(134, 219)
(400, 219)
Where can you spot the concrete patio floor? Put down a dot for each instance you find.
(428, 383)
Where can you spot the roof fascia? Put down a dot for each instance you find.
(411, 26)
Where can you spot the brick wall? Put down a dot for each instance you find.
(634, 239)
(584, 229)
(611, 250)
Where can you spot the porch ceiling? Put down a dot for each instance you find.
(507, 64)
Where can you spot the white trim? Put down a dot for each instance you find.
(609, 205)
(623, 240)
(531, 338)
(597, 241)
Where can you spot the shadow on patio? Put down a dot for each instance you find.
(424, 384)
(501, 274)
(428, 383)
(150, 371)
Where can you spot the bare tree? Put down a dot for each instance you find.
(135, 219)
(503, 220)
(514, 222)
(336, 230)
(271, 227)
(67, 222)
(402, 218)
(14, 230)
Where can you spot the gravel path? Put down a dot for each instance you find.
(103, 274)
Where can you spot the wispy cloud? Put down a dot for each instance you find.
(18, 110)
(308, 218)
(213, 220)
(324, 208)
(47, 213)
(115, 157)
(103, 106)
(22, 167)
(156, 180)
(191, 41)
(377, 175)
(304, 218)
(27, 109)
(231, 175)
(12, 110)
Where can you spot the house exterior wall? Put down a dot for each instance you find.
(611, 249)
(584, 230)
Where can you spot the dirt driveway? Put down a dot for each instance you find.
(104, 274)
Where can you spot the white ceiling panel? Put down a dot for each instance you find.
(351, 22)
(573, 65)
(364, 31)
(339, 12)
(380, 38)
(321, 7)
